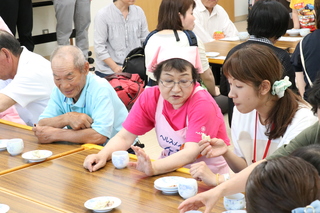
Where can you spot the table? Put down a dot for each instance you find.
(10, 130)
(63, 183)
(223, 47)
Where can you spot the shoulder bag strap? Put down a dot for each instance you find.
(303, 64)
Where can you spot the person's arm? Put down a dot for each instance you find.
(301, 84)
(121, 141)
(210, 198)
(113, 65)
(75, 120)
(209, 81)
(295, 19)
(6, 102)
(47, 134)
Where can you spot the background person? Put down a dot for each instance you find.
(210, 18)
(82, 101)
(179, 110)
(71, 13)
(267, 22)
(311, 135)
(31, 76)
(119, 27)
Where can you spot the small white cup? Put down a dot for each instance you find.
(304, 31)
(243, 36)
(187, 188)
(120, 159)
(234, 202)
(15, 146)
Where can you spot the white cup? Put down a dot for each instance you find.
(234, 202)
(120, 159)
(243, 36)
(15, 146)
(304, 31)
(188, 187)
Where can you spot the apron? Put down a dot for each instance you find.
(171, 140)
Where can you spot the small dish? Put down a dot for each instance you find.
(193, 211)
(3, 144)
(168, 185)
(36, 155)
(235, 211)
(102, 204)
(212, 54)
(293, 32)
(4, 208)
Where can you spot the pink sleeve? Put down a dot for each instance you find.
(205, 117)
(11, 114)
(141, 118)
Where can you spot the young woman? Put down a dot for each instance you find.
(177, 15)
(179, 109)
(267, 114)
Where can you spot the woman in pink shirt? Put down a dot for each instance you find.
(179, 109)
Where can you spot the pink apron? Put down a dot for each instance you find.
(171, 140)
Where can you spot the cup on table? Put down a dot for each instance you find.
(304, 31)
(15, 146)
(243, 36)
(188, 187)
(234, 202)
(120, 159)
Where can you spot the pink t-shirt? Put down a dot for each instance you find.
(203, 113)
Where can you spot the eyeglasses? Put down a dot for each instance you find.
(182, 83)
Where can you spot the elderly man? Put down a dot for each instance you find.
(83, 102)
(31, 76)
(211, 17)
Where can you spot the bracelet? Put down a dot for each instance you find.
(226, 176)
(217, 179)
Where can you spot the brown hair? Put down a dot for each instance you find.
(317, 12)
(168, 17)
(281, 185)
(264, 66)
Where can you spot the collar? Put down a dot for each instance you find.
(262, 39)
(81, 103)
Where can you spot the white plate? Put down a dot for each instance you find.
(212, 54)
(36, 155)
(235, 211)
(4, 208)
(294, 32)
(167, 192)
(92, 203)
(169, 183)
(3, 144)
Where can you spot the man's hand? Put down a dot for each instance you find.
(94, 162)
(78, 120)
(44, 133)
(144, 163)
(201, 171)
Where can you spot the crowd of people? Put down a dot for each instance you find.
(274, 130)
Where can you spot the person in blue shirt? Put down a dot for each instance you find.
(84, 103)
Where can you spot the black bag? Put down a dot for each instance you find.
(135, 60)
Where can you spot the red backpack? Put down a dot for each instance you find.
(128, 87)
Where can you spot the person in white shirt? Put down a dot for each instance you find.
(211, 17)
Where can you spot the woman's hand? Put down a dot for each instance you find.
(144, 163)
(94, 162)
(208, 199)
(201, 171)
(213, 148)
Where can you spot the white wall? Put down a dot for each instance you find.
(240, 7)
(44, 18)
